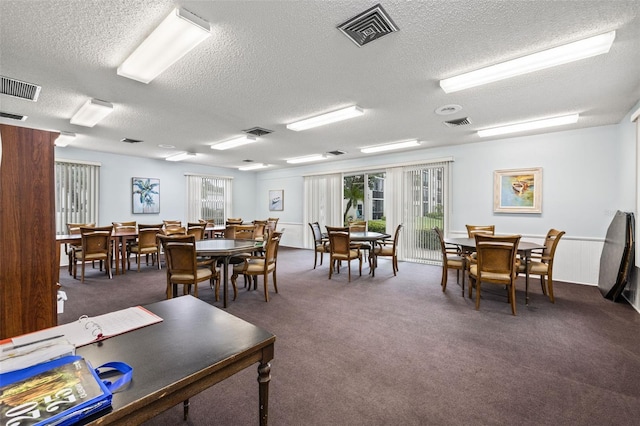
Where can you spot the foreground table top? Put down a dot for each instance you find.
(195, 346)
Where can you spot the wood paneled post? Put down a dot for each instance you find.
(27, 231)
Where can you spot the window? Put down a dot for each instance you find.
(364, 202)
(208, 198)
(77, 190)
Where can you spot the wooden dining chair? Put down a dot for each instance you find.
(257, 265)
(496, 265)
(145, 245)
(542, 263)
(321, 244)
(196, 229)
(183, 266)
(341, 249)
(72, 249)
(452, 258)
(388, 248)
(96, 245)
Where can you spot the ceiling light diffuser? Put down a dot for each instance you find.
(254, 166)
(390, 146)
(91, 113)
(181, 156)
(529, 125)
(242, 140)
(307, 159)
(330, 117)
(180, 32)
(575, 51)
(65, 138)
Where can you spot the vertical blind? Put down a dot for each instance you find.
(77, 193)
(322, 202)
(209, 198)
(426, 204)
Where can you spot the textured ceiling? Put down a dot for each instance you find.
(269, 63)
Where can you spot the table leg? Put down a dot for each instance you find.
(123, 253)
(527, 258)
(225, 276)
(264, 377)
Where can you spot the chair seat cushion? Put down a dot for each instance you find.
(145, 250)
(537, 268)
(201, 275)
(384, 251)
(353, 254)
(92, 256)
(455, 261)
(491, 276)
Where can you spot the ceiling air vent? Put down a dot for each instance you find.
(336, 152)
(129, 140)
(368, 26)
(459, 122)
(258, 131)
(13, 116)
(20, 89)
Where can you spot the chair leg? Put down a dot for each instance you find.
(82, 276)
(266, 287)
(315, 258)
(550, 287)
(185, 408)
(443, 281)
(330, 268)
(512, 296)
(477, 283)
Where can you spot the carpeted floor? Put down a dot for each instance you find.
(398, 351)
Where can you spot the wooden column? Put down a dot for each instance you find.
(27, 231)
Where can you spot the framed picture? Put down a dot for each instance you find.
(276, 200)
(146, 195)
(517, 190)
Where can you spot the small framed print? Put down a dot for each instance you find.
(517, 190)
(276, 200)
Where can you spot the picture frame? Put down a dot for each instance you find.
(517, 190)
(145, 195)
(276, 200)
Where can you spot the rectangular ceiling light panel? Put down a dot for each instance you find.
(180, 32)
(390, 146)
(233, 143)
(65, 138)
(254, 167)
(307, 159)
(529, 125)
(571, 52)
(330, 117)
(91, 113)
(181, 156)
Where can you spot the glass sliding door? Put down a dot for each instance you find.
(364, 199)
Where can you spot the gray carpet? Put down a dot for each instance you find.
(397, 351)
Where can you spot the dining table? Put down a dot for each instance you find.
(225, 249)
(525, 248)
(370, 237)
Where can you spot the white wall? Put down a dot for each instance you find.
(116, 172)
(583, 186)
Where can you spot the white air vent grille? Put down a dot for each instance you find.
(13, 116)
(258, 131)
(368, 26)
(336, 152)
(20, 89)
(458, 122)
(129, 140)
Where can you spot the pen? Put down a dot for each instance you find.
(32, 343)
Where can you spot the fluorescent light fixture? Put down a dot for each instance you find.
(242, 140)
(330, 117)
(91, 113)
(65, 138)
(254, 166)
(181, 156)
(180, 32)
(575, 51)
(307, 159)
(390, 146)
(529, 125)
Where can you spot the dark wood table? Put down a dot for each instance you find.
(224, 249)
(194, 347)
(524, 249)
(369, 237)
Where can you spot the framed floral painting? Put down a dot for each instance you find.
(146, 195)
(517, 190)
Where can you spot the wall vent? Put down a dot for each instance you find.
(458, 122)
(13, 116)
(258, 131)
(368, 26)
(247, 161)
(19, 89)
(129, 140)
(337, 152)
